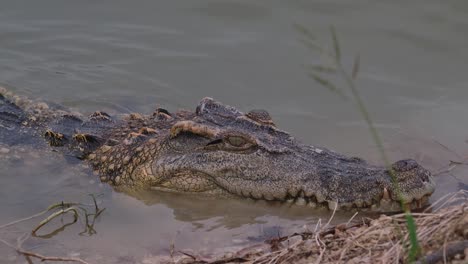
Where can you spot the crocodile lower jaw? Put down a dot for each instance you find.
(382, 206)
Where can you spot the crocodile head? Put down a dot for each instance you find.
(220, 150)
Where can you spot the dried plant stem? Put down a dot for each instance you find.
(23, 219)
(382, 240)
(63, 208)
(61, 204)
(317, 74)
(54, 215)
(26, 253)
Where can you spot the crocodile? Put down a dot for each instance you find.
(215, 150)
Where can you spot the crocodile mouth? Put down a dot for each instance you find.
(384, 205)
(389, 206)
(371, 196)
(383, 197)
(395, 203)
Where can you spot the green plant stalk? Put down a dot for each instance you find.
(414, 250)
(54, 215)
(336, 56)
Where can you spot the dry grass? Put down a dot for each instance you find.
(442, 233)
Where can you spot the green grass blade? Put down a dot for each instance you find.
(357, 62)
(320, 68)
(312, 45)
(304, 31)
(349, 79)
(414, 248)
(336, 44)
(324, 82)
(327, 84)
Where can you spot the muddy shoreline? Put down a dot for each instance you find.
(442, 232)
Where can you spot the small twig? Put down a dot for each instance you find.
(333, 214)
(316, 231)
(445, 249)
(63, 209)
(322, 251)
(452, 165)
(54, 215)
(49, 258)
(447, 169)
(61, 204)
(20, 240)
(172, 244)
(351, 219)
(448, 149)
(6, 243)
(188, 255)
(23, 219)
(39, 256)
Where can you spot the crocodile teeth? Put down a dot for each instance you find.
(386, 195)
(425, 199)
(301, 201)
(332, 205)
(358, 203)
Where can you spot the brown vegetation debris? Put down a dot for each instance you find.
(442, 232)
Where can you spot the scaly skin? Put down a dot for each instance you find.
(218, 150)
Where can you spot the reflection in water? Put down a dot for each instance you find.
(230, 212)
(129, 57)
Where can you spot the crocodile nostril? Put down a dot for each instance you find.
(404, 165)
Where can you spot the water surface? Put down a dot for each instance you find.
(132, 56)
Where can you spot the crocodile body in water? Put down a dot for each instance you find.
(215, 150)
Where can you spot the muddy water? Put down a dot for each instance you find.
(124, 56)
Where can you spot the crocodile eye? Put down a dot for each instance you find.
(230, 143)
(236, 141)
(215, 142)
